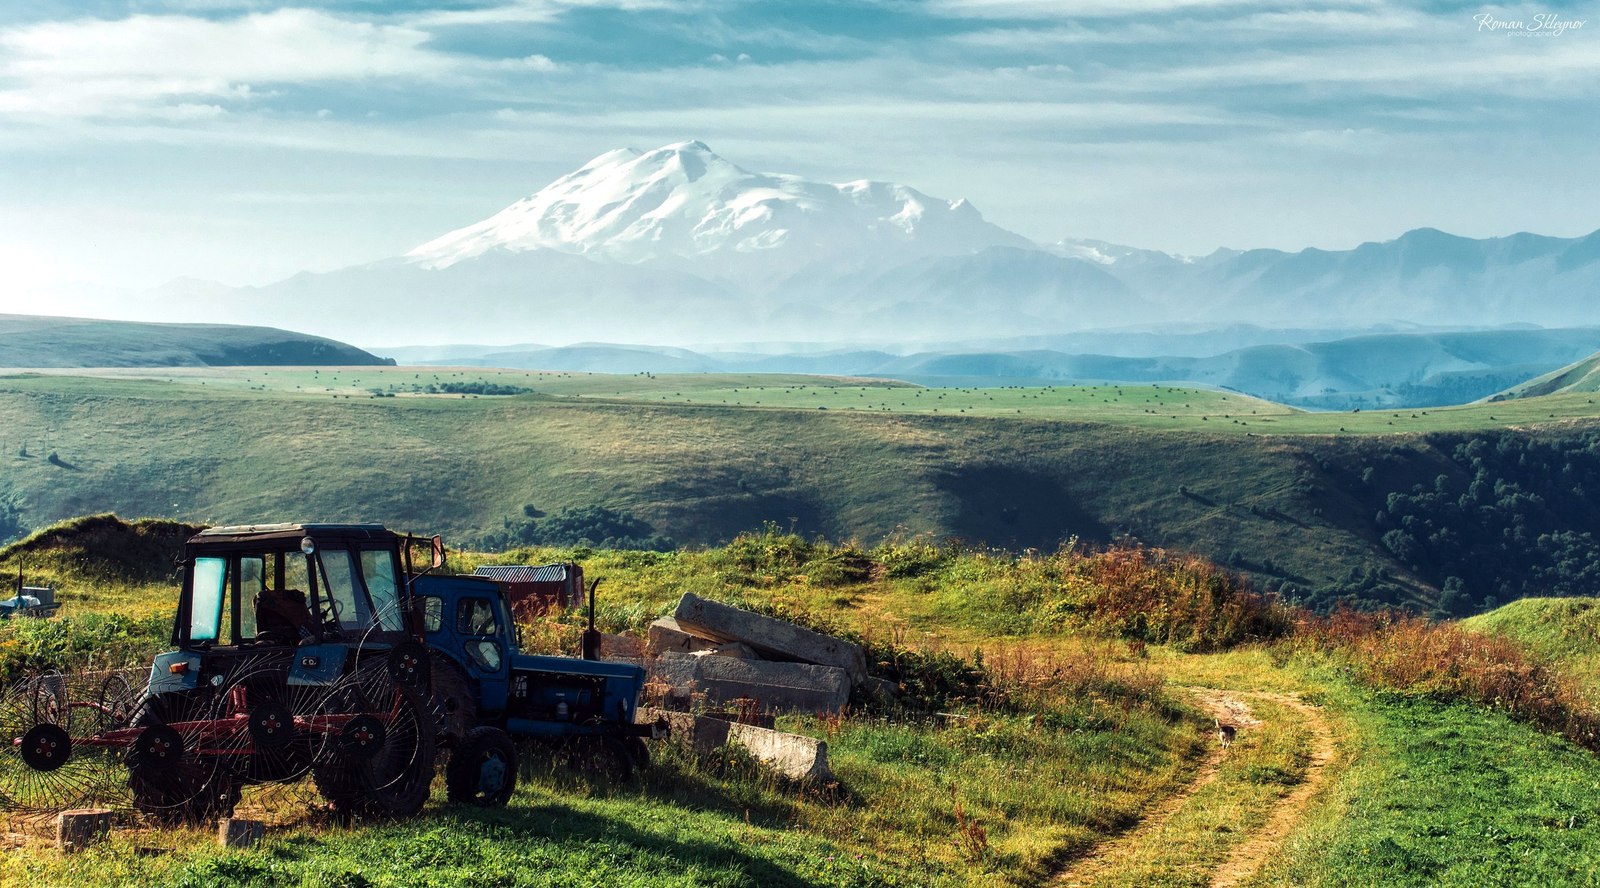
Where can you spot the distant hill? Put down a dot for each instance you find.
(1580, 376)
(97, 547)
(1437, 512)
(1375, 370)
(35, 341)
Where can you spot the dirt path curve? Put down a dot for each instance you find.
(1247, 858)
(1086, 870)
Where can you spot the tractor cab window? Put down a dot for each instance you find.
(432, 614)
(282, 612)
(476, 616)
(378, 569)
(210, 584)
(340, 590)
(252, 582)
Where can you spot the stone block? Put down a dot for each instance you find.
(792, 755)
(78, 829)
(780, 687)
(721, 622)
(666, 635)
(613, 647)
(235, 833)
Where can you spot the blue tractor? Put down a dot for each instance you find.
(492, 694)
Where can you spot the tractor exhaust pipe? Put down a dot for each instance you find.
(591, 635)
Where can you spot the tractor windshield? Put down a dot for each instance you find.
(205, 608)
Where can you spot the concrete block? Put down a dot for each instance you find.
(712, 619)
(792, 755)
(78, 829)
(234, 833)
(787, 687)
(613, 647)
(759, 719)
(731, 649)
(666, 635)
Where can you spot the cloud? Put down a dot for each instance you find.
(132, 66)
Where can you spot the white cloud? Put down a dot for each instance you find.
(128, 67)
(1062, 9)
(526, 63)
(536, 11)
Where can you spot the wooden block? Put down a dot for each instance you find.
(234, 833)
(76, 830)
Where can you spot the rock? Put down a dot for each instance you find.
(77, 830)
(786, 687)
(721, 622)
(234, 833)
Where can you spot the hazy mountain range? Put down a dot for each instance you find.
(679, 245)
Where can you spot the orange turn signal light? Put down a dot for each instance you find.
(182, 666)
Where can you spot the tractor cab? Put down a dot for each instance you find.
(286, 585)
(468, 626)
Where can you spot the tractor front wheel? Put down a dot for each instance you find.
(483, 768)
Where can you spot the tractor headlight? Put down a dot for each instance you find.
(308, 545)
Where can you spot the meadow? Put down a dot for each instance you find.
(1074, 747)
(1290, 498)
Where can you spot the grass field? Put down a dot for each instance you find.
(1099, 770)
(1286, 496)
(1144, 405)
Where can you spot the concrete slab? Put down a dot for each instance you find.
(721, 622)
(666, 635)
(620, 646)
(792, 755)
(782, 687)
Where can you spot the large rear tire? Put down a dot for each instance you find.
(175, 786)
(452, 698)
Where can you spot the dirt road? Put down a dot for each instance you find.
(1102, 863)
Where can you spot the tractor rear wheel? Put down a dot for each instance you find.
(452, 698)
(171, 784)
(483, 768)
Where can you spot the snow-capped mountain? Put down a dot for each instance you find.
(683, 205)
(678, 245)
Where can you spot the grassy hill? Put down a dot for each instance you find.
(1564, 631)
(1318, 505)
(29, 341)
(1581, 376)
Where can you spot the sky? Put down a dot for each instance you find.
(243, 141)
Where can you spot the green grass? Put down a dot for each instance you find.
(1447, 795)
(1564, 630)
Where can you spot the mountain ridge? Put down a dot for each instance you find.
(678, 245)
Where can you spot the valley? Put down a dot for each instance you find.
(1298, 501)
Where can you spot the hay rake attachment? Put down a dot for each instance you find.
(249, 733)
